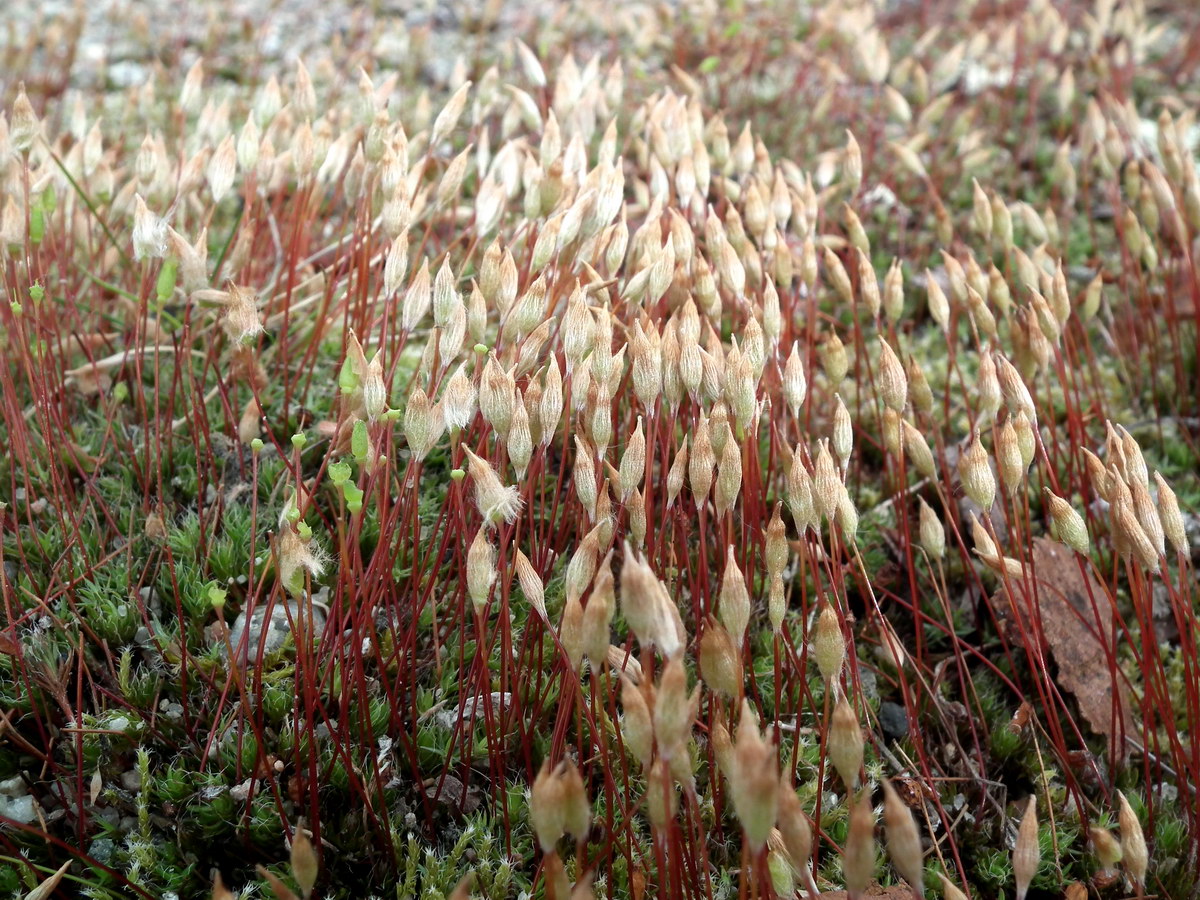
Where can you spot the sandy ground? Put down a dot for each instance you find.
(123, 41)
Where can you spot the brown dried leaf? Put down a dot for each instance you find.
(1076, 639)
(875, 891)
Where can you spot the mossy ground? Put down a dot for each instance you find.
(123, 698)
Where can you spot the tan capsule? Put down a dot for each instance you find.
(1097, 474)
(795, 385)
(1068, 524)
(975, 472)
(776, 603)
(1026, 439)
(1171, 517)
(987, 388)
(868, 283)
(794, 829)
(845, 743)
(919, 392)
(930, 531)
(1106, 847)
(481, 569)
(918, 450)
(603, 516)
(1013, 388)
(674, 710)
(641, 601)
(984, 545)
(998, 292)
(519, 440)
(1147, 515)
(776, 551)
(637, 518)
(903, 840)
(570, 632)
(1008, 458)
(893, 292)
(729, 478)
(833, 359)
(829, 644)
(847, 515)
(1027, 854)
(584, 475)
(637, 727)
(981, 211)
(497, 395)
(938, 304)
(662, 801)
(890, 431)
(827, 485)
(890, 379)
(799, 494)
(950, 891)
(722, 748)
(558, 804)
(1133, 844)
(733, 602)
(720, 660)
(700, 462)
(1128, 532)
(417, 299)
(633, 462)
(842, 432)
(852, 167)
(857, 236)
(531, 584)
(677, 474)
(305, 866)
(858, 865)
(754, 784)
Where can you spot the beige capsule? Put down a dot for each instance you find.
(903, 840)
(1027, 854)
(858, 865)
(845, 742)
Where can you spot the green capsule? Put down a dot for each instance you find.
(216, 596)
(359, 441)
(37, 224)
(165, 286)
(354, 497)
(347, 379)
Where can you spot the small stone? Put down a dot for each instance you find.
(472, 707)
(19, 809)
(248, 641)
(15, 801)
(868, 682)
(102, 850)
(893, 719)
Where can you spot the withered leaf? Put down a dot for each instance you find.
(875, 891)
(1076, 633)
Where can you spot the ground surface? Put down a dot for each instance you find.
(710, 403)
